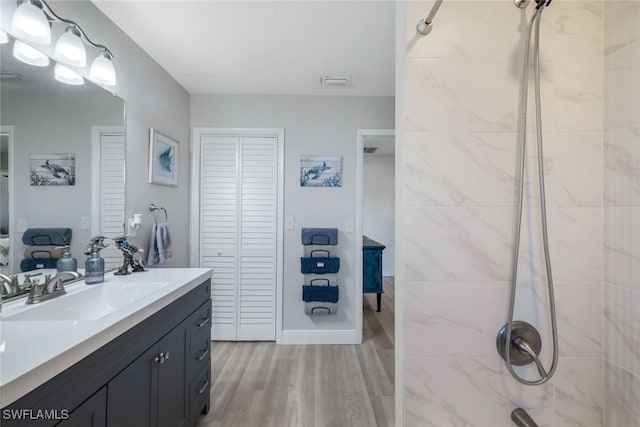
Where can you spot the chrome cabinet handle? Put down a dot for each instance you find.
(166, 356)
(161, 358)
(203, 354)
(200, 325)
(204, 387)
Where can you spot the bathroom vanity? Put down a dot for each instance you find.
(372, 268)
(133, 351)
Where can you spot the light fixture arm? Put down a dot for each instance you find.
(53, 17)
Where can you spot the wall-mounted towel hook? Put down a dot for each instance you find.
(155, 208)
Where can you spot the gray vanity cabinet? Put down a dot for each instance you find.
(152, 390)
(173, 407)
(132, 395)
(92, 413)
(155, 374)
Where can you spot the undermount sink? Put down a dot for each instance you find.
(92, 302)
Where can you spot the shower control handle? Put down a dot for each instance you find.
(525, 345)
(522, 419)
(522, 346)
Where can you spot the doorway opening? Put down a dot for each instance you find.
(376, 211)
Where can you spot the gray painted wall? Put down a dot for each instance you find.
(153, 99)
(313, 125)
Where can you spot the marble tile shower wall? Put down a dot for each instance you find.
(459, 161)
(622, 213)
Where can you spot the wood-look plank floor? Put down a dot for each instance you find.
(260, 384)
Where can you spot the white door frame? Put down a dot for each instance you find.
(361, 134)
(96, 168)
(13, 233)
(194, 223)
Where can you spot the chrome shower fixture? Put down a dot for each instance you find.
(522, 4)
(425, 25)
(518, 342)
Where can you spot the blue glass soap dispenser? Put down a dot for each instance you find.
(66, 263)
(94, 266)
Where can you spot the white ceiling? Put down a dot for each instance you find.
(265, 47)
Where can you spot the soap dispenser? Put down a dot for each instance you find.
(66, 263)
(94, 266)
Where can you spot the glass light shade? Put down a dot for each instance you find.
(68, 76)
(4, 38)
(70, 49)
(31, 24)
(102, 70)
(25, 53)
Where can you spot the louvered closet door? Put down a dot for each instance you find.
(112, 190)
(238, 213)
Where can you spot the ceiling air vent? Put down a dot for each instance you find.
(370, 150)
(9, 75)
(335, 81)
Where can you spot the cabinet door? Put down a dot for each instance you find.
(92, 413)
(172, 379)
(132, 395)
(372, 270)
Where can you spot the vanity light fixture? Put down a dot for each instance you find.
(67, 75)
(25, 53)
(4, 38)
(30, 23)
(102, 70)
(70, 48)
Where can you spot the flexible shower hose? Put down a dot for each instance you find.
(522, 139)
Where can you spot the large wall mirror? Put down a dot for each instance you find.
(62, 161)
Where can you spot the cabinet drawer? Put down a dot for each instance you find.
(199, 393)
(200, 354)
(200, 321)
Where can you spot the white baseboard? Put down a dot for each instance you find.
(323, 336)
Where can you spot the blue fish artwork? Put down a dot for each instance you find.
(321, 171)
(52, 169)
(55, 169)
(316, 171)
(166, 159)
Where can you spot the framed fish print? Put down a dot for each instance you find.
(163, 159)
(52, 169)
(321, 171)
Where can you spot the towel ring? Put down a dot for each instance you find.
(154, 208)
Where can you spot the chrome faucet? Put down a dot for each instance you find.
(51, 288)
(5, 288)
(8, 286)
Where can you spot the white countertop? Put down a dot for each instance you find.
(33, 352)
